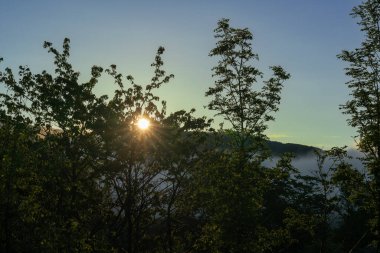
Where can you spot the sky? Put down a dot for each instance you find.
(303, 36)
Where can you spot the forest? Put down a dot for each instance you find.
(79, 173)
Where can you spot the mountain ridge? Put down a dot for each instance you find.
(279, 148)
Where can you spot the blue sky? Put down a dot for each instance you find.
(303, 36)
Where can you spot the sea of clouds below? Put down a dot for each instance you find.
(307, 164)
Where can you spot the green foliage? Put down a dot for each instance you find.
(364, 105)
(59, 178)
(233, 95)
(77, 175)
(232, 181)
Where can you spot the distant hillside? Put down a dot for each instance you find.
(279, 148)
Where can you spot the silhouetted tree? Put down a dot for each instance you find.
(132, 159)
(233, 183)
(234, 96)
(62, 189)
(364, 105)
(78, 176)
(353, 230)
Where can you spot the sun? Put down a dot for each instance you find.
(143, 123)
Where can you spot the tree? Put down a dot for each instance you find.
(78, 176)
(354, 207)
(18, 162)
(321, 197)
(62, 191)
(364, 105)
(147, 171)
(234, 96)
(186, 138)
(132, 159)
(233, 181)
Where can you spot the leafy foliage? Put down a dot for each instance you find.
(78, 175)
(233, 95)
(364, 105)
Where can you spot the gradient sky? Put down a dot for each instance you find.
(303, 36)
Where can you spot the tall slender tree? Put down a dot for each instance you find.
(234, 95)
(364, 104)
(233, 185)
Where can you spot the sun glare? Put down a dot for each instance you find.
(143, 124)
